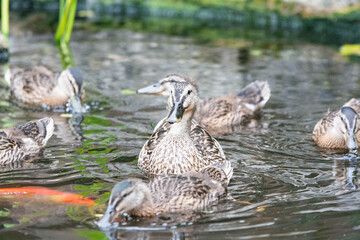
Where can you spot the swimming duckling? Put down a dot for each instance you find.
(24, 140)
(168, 193)
(338, 129)
(180, 145)
(40, 87)
(218, 115)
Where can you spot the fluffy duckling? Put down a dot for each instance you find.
(218, 115)
(180, 145)
(168, 193)
(339, 129)
(26, 139)
(40, 87)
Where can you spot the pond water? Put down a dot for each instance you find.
(284, 186)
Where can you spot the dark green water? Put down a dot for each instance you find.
(285, 187)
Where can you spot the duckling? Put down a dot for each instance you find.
(27, 139)
(168, 193)
(40, 87)
(338, 129)
(180, 145)
(218, 115)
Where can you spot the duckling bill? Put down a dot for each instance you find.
(338, 129)
(39, 87)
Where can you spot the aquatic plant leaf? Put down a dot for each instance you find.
(350, 49)
(107, 140)
(91, 120)
(4, 213)
(127, 92)
(208, 211)
(91, 234)
(9, 225)
(256, 52)
(25, 220)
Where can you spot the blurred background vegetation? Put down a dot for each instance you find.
(291, 18)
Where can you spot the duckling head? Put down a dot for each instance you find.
(127, 196)
(71, 82)
(347, 126)
(164, 86)
(182, 101)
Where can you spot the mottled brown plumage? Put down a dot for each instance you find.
(219, 115)
(24, 140)
(168, 193)
(41, 88)
(339, 129)
(174, 148)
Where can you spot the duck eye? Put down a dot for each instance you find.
(126, 194)
(172, 80)
(189, 92)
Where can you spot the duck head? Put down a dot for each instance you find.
(182, 101)
(347, 125)
(164, 86)
(126, 196)
(71, 82)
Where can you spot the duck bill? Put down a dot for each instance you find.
(154, 89)
(351, 142)
(109, 217)
(76, 105)
(176, 113)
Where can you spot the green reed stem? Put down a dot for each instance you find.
(70, 21)
(65, 54)
(5, 18)
(66, 20)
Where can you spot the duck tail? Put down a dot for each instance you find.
(48, 126)
(255, 94)
(221, 172)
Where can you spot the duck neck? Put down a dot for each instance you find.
(183, 127)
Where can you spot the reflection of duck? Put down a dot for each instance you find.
(338, 129)
(344, 172)
(218, 114)
(171, 193)
(40, 87)
(173, 148)
(27, 139)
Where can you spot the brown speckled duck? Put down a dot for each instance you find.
(339, 129)
(40, 87)
(27, 139)
(218, 115)
(169, 193)
(179, 145)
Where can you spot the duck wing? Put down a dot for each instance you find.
(206, 145)
(255, 95)
(32, 86)
(10, 150)
(32, 135)
(178, 193)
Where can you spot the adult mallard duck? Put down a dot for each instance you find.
(24, 140)
(339, 129)
(168, 193)
(179, 145)
(40, 87)
(219, 115)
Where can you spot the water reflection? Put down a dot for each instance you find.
(345, 174)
